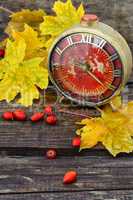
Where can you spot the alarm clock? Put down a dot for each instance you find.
(90, 63)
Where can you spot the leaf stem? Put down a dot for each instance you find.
(6, 10)
(73, 113)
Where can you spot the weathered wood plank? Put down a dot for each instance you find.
(37, 174)
(92, 195)
(40, 135)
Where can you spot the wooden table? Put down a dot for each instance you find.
(26, 174)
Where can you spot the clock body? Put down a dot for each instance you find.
(90, 63)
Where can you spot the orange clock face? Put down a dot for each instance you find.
(86, 68)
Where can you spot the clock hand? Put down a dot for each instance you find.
(85, 67)
(92, 75)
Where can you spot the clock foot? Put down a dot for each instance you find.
(59, 100)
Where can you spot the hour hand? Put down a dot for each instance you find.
(93, 76)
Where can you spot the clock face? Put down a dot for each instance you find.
(86, 68)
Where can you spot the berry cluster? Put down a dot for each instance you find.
(20, 115)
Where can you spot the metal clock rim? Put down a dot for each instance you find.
(86, 103)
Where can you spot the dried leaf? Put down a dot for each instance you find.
(92, 132)
(31, 17)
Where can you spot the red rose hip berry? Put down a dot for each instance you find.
(51, 154)
(48, 110)
(51, 119)
(19, 115)
(37, 116)
(7, 115)
(76, 141)
(70, 177)
(2, 53)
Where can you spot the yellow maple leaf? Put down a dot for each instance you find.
(48, 43)
(92, 132)
(31, 17)
(33, 43)
(116, 102)
(118, 140)
(21, 76)
(127, 110)
(113, 118)
(3, 43)
(66, 17)
(113, 129)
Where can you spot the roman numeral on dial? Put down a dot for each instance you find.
(113, 57)
(112, 87)
(101, 44)
(86, 38)
(101, 97)
(58, 50)
(117, 73)
(70, 41)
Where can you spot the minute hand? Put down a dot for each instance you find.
(92, 75)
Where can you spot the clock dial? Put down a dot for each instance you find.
(86, 68)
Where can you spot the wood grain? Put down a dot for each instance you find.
(92, 195)
(37, 174)
(40, 135)
(25, 173)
